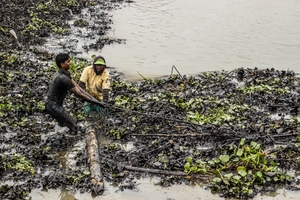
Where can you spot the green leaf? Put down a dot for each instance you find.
(242, 173)
(242, 142)
(187, 166)
(85, 172)
(237, 177)
(226, 182)
(250, 191)
(259, 174)
(211, 163)
(200, 162)
(224, 158)
(228, 176)
(240, 168)
(194, 169)
(217, 180)
(273, 156)
(253, 144)
(240, 152)
(189, 159)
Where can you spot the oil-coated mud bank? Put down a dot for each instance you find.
(236, 131)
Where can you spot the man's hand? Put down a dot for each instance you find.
(102, 104)
(105, 95)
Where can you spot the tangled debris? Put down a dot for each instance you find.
(241, 129)
(181, 128)
(29, 24)
(237, 131)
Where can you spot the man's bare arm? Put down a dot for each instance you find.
(82, 85)
(79, 92)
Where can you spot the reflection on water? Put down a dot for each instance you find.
(197, 36)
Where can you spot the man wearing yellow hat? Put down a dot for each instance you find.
(95, 79)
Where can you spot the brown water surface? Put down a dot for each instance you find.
(148, 191)
(197, 36)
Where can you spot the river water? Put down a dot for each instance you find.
(204, 35)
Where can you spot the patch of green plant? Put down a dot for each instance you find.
(121, 100)
(117, 133)
(72, 3)
(80, 116)
(23, 122)
(60, 30)
(17, 162)
(239, 169)
(4, 30)
(263, 88)
(39, 17)
(7, 105)
(119, 84)
(217, 113)
(10, 59)
(127, 102)
(76, 178)
(81, 23)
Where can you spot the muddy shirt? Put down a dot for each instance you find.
(59, 87)
(94, 84)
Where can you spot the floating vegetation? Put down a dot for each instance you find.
(238, 129)
(16, 162)
(210, 124)
(240, 170)
(48, 18)
(171, 118)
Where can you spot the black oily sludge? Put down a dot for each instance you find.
(174, 124)
(167, 120)
(43, 20)
(156, 117)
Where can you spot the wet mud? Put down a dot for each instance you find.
(237, 131)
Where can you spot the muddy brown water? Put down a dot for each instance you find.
(148, 191)
(195, 36)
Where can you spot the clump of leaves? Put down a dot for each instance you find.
(218, 113)
(77, 177)
(17, 162)
(81, 23)
(263, 88)
(239, 170)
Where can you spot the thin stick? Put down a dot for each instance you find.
(172, 135)
(173, 67)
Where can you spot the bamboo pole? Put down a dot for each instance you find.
(94, 161)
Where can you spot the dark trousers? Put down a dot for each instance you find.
(58, 112)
